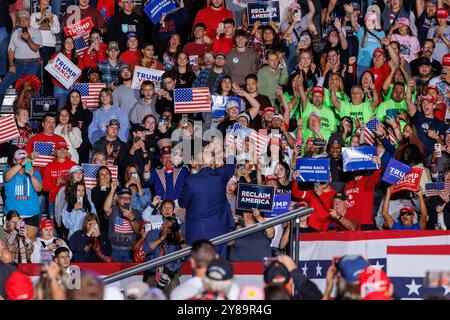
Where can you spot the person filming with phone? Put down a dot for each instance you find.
(18, 242)
(124, 223)
(22, 184)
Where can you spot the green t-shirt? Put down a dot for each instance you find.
(391, 88)
(327, 98)
(327, 118)
(383, 108)
(363, 112)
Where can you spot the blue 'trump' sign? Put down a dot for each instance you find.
(281, 204)
(395, 171)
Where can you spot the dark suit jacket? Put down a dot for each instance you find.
(208, 213)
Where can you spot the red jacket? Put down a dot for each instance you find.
(320, 219)
(52, 171)
(360, 198)
(94, 58)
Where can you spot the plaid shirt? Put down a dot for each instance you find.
(202, 80)
(110, 74)
(259, 47)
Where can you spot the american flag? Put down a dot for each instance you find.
(45, 151)
(436, 188)
(241, 132)
(8, 128)
(192, 100)
(370, 129)
(122, 226)
(90, 173)
(81, 43)
(89, 92)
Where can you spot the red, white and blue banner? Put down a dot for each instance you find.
(406, 256)
(318, 249)
(407, 267)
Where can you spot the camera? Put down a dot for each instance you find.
(137, 139)
(127, 205)
(24, 29)
(165, 279)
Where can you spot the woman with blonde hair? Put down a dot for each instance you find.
(369, 35)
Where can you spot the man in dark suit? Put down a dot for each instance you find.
(204, 198)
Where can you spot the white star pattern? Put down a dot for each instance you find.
(447, 290)
(413, 287)
(318, 270)
(304, 269)
(379, 266)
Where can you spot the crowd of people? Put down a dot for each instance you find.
(165, 180)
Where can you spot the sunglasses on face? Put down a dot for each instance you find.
(405, 214)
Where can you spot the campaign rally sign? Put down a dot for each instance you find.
(395, 171)
(155, 9)
(281, 204)
(253, 196)
(82, 27)
(41, 106)
(359, 158)
(141, 74)
(313, 169)
(64, 70)
(220, 103)
(263, 12)
(410, 181)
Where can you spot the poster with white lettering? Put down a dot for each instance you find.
(410, 182)
(64, 70)
(395, 171)
(253, 196)
(142, 74)
(263, 12)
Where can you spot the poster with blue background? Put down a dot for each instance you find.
(253, 196)
(395, 171)
(313, 169)
(155, 9)
(359, 158)
(281, 204)
(263, 12)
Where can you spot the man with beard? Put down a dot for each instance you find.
(124, 96)
(425, 74)
(395, 105)
(427, 51)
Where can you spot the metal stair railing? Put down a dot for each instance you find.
(295, 214)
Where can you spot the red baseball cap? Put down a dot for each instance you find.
(446, 60)
(373, 280)
(407, 209)
(379, 50)
(427, 89)
(442, 13)
(269, 178)
(46, 223)
(310, 140)
(18, 286)
(428, 98)
(318, 90)
(269, 109)
(61, 144)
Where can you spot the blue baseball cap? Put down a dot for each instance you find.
(350, 267)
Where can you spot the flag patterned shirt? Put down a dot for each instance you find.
(120, 231)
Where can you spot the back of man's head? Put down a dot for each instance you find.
(202, 255)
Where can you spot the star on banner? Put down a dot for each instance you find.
(413, 287)
(319, 270)
(304, 269)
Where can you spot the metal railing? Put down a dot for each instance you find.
(297, 213)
